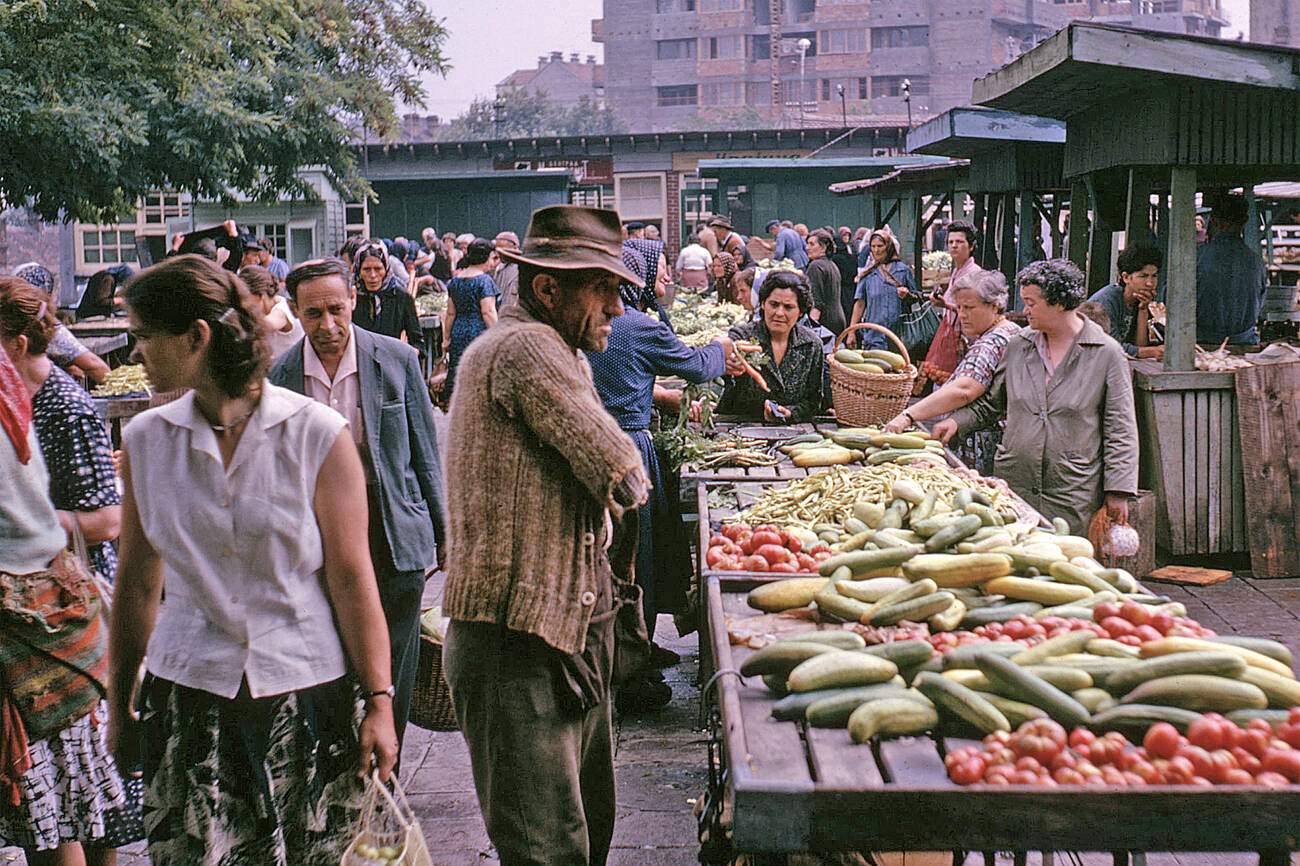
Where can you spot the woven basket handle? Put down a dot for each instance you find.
(902, 349)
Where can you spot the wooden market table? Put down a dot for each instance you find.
(793, 788)
(117, 411)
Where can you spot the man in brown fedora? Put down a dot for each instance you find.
(729, 241)
(537, 471)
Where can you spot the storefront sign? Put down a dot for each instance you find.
(586, 170)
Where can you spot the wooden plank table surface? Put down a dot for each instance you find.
(795, 789)
(99, 326)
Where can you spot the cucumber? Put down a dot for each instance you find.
(776, 684)
(838, 638)
(998, 613)
(1039, 591)
(963, 657)
(831, 604)
(792, 707)
(1023, 559)
(1016, 712)
(904, 653)
(1263, 646)
(925, 508)
(890, 717)
(834, 712)
(894, 360)
(1065, 678)
(856, 542)
(1119, 578)
(1022, 685)
(1094, 700)
(906, 593)
(840, 670)
(1070, 642)
(914, 609)
(1100, 668)
(957, 700)
(957, 571)
(1217, 664)
(1199, 692)
(898, 441)
(870, 590)
(1281, 692)
(891, 454)
(781, 657)
(929, 526)
(1276, 718)
(1112, 649)
(1066, 611)
(860, 561)
(785, 594)
(1067, 573)
(1175, 645)
(908, 490)
(869, 513)
(1132, 720)
(959, 530)
(987, 516)
(949, 618)
(853, 526)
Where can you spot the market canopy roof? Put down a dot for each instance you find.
(862, 165)
(969, 131)
(910, 180)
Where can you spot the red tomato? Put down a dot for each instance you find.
(714, 555)
(1202, 781)
(822, 555)
(1147, 772)
(792, 542)
(1289, 733)
(968, 772)
(999, 737)
(1236, 777)
(763, 536)
(1068, 776)
(806, 563)
(773, 553)
(1222, 761)
(747, 544)
(1199, 759)
(1254, 741)
(718, 540)
(1161, 621)
(1104, 752)
(1040, 739)
(1180, 769)
(1064, 759)
(753, 563)
(1271, 780)
(1145, 633)
(767, 527)
(1024, 777)
(1138, 614)
(1246, 760)
(819, 547)
(1104, 612)
(1130, 640)
(1081, 737)
(1117, 626)
(1285, 762)
(783, 568)
(735, 530)
(1162, 740)
(1210, 732)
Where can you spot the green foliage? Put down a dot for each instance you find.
(520, 112)
(104, 100)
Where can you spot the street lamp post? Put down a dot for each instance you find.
(844, 106)
(907, 99)
(803, 46)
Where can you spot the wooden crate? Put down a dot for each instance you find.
(795, 789)
(1191, 459)
(1268, 397)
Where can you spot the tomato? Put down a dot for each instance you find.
(718, 540)
(1285, 762)
(1066, 759)
(1024, 777)
(1161, 621)
(1245, 760)
(1105, 611)
(714, 555)
(763, 536)
(999, 737)
(822, 555)
(1202, 781)
(1236, 777)
(1113, 776)
(1040, 739)
(753, 563)
(1162, 740)
(1081, 737)
(773, 553)
(997, 779)
(1210, 732)
(1199, 759)
(1271, 780)
(1029, 763)
(1180, 769)
(1130, 640)
(1068, 776)
(1289, 732)
(968, 772)
(806, 563)
(1117, 626)
(1145, 633)
(1254, 740)
(1104, 752)
(783, 568)
(1002, 756)
(1222, 761)
(819, 547)
(1147, 772)
(747, 544)
(1138, 614)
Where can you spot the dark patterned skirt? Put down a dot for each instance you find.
(267, 781)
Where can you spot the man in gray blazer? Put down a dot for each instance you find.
(375, 382)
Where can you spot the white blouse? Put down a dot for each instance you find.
(241, 549)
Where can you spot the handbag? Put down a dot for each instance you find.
(918, 325)
(389, 831)
(945, 348)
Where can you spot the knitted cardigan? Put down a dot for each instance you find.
(532, 462)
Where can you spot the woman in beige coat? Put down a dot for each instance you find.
(1071, 440)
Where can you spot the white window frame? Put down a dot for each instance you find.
(623, 203)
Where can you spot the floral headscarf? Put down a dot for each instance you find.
(642, 258)
(37, 275)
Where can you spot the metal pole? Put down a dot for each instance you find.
(804, 45)
(844, 105)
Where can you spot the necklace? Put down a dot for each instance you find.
(225, 428)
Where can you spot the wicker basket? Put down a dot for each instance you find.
(431, 706)
(863, 399)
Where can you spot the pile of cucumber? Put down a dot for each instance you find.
(871, 360)
(833, 679)
(863, 444)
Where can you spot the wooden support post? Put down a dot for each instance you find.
(1029, 230)
(978, 220)
(1137, 227)
(1007, 247)
(876, 212)
(1077, 242)
(1252, 235)
(918, 235)
(1098, 243)
(1180, 291)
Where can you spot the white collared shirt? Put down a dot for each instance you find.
(240, 546)
(342, 393)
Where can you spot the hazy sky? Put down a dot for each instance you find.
(492, 38)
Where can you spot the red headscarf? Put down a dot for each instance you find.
(15, 408)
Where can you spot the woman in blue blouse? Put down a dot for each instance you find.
(884, 281)
(471, 303)
(641, 348)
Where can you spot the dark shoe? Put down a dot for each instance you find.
(662, 658)
(643, 695)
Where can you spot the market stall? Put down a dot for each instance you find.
(1215, 115)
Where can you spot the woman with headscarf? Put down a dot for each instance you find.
(724, 269)
(645, 259)
(65, 349)
(383, 304)
(882, 285)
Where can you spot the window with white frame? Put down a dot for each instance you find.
(356, 219)
(276, 233)
(157, 207)
(110, 245)
(640, 196)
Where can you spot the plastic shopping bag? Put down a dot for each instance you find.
(389, 834)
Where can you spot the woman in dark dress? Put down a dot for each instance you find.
(471, 303)
(384, 306)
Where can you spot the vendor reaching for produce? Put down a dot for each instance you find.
(794, 367)
(980, 297)
(641, 348)
(1070, 441)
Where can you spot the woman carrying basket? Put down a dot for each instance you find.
(883, 283)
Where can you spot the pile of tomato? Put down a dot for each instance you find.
(1134, 624)
(739, 547)
(1215, 751)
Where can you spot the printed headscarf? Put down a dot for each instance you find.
(37, 275)
(642, 258)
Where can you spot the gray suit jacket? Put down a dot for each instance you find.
(403, 444)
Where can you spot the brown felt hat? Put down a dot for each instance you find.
(720, 221)
(569, 237)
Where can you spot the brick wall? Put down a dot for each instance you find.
(672, 232)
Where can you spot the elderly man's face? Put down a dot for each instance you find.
(582, 314)
(324, 306)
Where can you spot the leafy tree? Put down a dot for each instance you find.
(520, 112)
(104, 100)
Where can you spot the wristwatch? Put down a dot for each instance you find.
(391, 691)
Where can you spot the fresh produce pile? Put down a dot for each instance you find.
(432, 304)
(765, 548)
(937, 261)
(857, 444)
(699, 321)
(1215, 751)
(826, 502)
(1219, 361)
(123, 381)
(682, 445)
(871, 360)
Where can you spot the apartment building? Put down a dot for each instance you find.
(675, 64)
(1275, 22)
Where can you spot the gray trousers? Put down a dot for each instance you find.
(543, 758)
